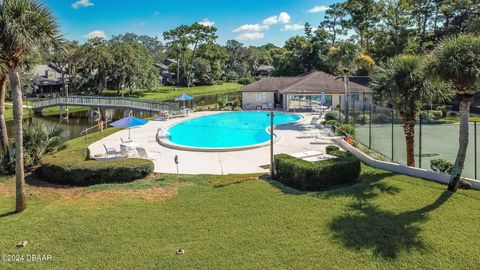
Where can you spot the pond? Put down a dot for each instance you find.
(78, 121)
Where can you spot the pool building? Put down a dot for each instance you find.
(303, 93)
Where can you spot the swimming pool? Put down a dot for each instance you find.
(227, 130)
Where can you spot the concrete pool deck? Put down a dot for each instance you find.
(233, 162)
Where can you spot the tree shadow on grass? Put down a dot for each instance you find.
(7, 214)
(368, 187)
(386, 233)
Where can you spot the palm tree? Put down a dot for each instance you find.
(3, 124)
(26, 26)
(344, 56)
(401, 82)
(457, 60)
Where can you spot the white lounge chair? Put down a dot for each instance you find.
(264, 107)
(142, 153)
(110, 151)
(270, 106)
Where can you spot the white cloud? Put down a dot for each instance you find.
(82, 3)
(206, 22)
(96, 34)
(250, 36)
(251, 27)
(293, 27)
(280, 18)
(318, 9)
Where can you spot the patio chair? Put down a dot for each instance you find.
(142, 153)
(264, 106)
(270, 106)
(258, 107)
(110, 151)
(124, 151)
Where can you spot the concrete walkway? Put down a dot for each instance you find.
(238, 162)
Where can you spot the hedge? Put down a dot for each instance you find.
(71, 167)
(308, 176)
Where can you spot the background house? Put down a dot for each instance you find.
(47, 80)
(167, 77)
(303, 93)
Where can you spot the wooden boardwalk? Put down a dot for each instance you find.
(106, 102)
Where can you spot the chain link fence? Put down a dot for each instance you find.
(381, 129)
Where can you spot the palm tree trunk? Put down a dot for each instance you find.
(14, 79)
(409, 130)
(463, 143)
(3, 124)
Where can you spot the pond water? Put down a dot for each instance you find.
(78, 121)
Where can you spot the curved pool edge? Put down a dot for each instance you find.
(167, 143)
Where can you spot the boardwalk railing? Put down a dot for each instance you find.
(107, 102)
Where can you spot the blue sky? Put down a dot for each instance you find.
(253, 22)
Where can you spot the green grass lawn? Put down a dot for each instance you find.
(456, 119)
(169, 92)
(385, 221)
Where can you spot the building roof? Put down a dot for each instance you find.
(45, 75)
(309, 83)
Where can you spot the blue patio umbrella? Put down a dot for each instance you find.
(129, 122)
(183, 97)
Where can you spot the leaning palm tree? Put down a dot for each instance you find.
(457, 61)
(26, 27)
(401, 82)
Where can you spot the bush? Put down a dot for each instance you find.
(246, 80)
(331, 149)
(72, 167)
(441, 166)
(39, 140)
(435, 114)
(345, 128)
(332, 123)
(308, 176)
(334, 115)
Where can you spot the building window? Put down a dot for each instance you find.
(261, 97)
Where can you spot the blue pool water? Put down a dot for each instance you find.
(225, 130)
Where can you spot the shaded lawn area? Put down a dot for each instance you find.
(241, 221)
(169, 92)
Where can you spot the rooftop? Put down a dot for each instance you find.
(314, 82)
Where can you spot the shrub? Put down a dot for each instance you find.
(39, 140)
(441, 166)
(332, 123)
(435, 114)
(71, 167)
(331, 149)
(308, 176)
(443, 109)
(345, 128)
(246, 80)
(334, 115)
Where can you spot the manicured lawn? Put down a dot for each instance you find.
(244, 222)
(52, 111)
(9, 112)
(169, 92)
(456, 119)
